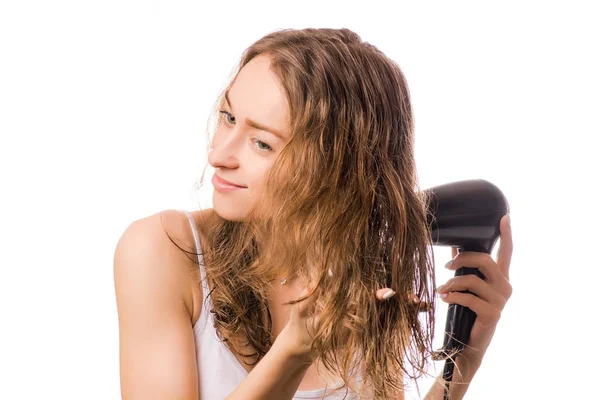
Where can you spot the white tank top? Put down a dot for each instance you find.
(219, 371)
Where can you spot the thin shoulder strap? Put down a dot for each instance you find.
(203, 281)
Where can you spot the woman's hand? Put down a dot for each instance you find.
(489, 296)
(298, 333)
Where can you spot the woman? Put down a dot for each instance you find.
(317, 214)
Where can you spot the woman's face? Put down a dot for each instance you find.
(253, 128)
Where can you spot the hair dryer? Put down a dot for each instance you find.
(465, 215)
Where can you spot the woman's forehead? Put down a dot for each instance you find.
(257, 95)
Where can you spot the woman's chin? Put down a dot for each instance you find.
(230, 212)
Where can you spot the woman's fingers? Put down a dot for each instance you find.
(384, 294)
(494, 271)
(483, 261)
(487, 313)
(505, 249)
(387, 293)
(306, 306)
(475, 285)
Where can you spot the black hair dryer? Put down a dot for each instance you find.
(465, 215)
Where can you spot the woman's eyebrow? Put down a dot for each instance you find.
(255, 124)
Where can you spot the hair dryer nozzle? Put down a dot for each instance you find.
(466, 214)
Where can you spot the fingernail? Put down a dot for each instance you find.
(443, 295)
(388, 294)
(439, 288)
(449, 264)
(508, 219)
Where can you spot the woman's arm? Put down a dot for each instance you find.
(156, 342)
(464, 372)
(277, 376)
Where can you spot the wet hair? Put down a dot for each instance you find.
(341, 207)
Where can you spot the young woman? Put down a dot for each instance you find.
(317, 217)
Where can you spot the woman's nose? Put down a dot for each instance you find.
(223, 154)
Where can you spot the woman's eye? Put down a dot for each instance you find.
(231, 120)
(262, 145)
(228, 117)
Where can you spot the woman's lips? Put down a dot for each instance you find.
(223, 185)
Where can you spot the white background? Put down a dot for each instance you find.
(103, 111)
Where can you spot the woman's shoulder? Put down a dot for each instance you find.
(167, 236)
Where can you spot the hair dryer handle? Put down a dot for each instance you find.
(459, 320)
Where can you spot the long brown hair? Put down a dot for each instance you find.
(342, 208)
